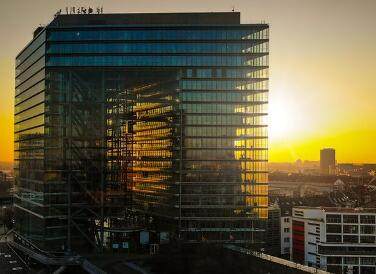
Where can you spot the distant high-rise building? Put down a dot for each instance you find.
(327, 161)
(163, 114)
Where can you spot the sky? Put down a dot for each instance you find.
(322, 68)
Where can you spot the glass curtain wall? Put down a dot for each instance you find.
(224, 177)
(29, 139)
(197, 124)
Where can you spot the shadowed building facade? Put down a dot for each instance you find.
(328, 161)
(160, 114)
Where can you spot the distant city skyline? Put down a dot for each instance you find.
(322, 68)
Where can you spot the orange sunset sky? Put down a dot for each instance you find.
(322, 68)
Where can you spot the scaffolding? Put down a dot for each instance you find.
(99, 162)
(99, 153)
(119, 162)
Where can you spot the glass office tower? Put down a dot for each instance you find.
(167, 108)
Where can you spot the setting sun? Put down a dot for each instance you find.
(282, 119)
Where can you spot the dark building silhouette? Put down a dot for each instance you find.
(327, 161)
(160, 116)
(273, 231)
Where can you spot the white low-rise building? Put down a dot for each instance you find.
(339, 240)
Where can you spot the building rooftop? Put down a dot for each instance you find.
(192, 18)
(340, 209)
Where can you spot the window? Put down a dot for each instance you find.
(350, 239)
(333, 229)
(219, 73)
(367, 239)
(367, 269)
(367, 229)
(286, 240)
(352, 219)
(157, 60)
(367, 219)
(333, 218)
(368, 260)
(203, 73)
(334, 260)
(352, 229)
(334, 268)
(351, 260)
(333, 238)
(157, 34)
(286, 229)
(286, 220)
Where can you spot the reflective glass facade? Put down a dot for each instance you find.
(29, 139)
(194, 121)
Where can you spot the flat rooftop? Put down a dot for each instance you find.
(191, 18)
(340, 209)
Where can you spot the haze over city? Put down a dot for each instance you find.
(322, 88)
